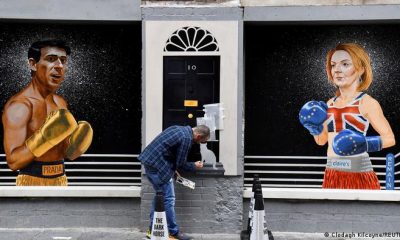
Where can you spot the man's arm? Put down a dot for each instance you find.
(15, 122)
(182, 154)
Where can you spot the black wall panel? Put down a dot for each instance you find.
(285, 68)
(103, 82)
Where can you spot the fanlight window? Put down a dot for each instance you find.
(191, 39)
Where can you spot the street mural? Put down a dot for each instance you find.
(66, 90)
(321, 101)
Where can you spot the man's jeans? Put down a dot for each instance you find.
(169, 198)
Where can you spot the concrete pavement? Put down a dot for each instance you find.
(89, 234)
(135, 234)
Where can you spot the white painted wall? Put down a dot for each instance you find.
(115, 10)
(185, 3)
(314, 2)
(156, 34)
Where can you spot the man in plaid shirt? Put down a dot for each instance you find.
(162, 157)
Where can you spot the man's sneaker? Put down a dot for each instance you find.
(180, 236)
(148, 234)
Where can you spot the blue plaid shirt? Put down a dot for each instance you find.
(169, 151)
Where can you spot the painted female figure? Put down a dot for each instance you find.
(343, 121)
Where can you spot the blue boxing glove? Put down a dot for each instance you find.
(349, 142)
(313, 115)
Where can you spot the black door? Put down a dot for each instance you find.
(189, 83)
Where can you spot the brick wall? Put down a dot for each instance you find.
(320, 216)
(214, 206)
(70, 212)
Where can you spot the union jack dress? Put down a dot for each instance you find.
(349, 117)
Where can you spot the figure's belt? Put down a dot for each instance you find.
(44, 169)
(356, 163)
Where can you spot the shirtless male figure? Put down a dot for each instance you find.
(39, 131)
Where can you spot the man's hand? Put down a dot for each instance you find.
(198, 164)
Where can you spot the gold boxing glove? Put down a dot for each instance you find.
(79, 141)
(58, 125)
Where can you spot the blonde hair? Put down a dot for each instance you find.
(360, 60)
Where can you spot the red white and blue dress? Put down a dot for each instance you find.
(349, 172)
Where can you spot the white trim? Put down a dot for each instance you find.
(286, 180)
(96, 177)
(102, 170)
(156, 33)
(92, 163)
(103, 163)
(70, 191)
(111, 155)
(285, 164)
(295, 165)
(99, 155)
(285, 172)
(191, 54)
(327, 194)
(300, 157)
(102, 184)
(268, 193)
